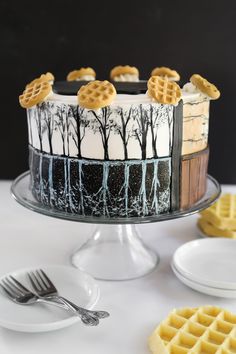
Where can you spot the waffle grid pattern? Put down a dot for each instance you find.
(223, 213)
(163, 90)
(35, 94)
(96, 94)
(203, 330)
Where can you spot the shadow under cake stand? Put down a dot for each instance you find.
(115, 250)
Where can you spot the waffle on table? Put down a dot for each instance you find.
(202, 330)
(96, 94)
(163, 91)
(222, 214)
(211, 230)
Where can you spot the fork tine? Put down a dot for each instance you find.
(20, 286)
(42, 279)
(10, 289)
(13, 286)
(10, 294)
(48, 280)
(34, 282)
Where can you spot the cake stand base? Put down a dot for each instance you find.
(115, 252)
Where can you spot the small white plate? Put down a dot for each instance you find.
(72, 283)
(210, 262)
(226, 293)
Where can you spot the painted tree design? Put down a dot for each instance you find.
(79, 124)
(141, 118)
(159, 115)
(61, 124)
(47, 108)
(122, 128)
(38, 120)
(103, 124)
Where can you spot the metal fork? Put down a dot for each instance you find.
(45, 289)
(19, 294)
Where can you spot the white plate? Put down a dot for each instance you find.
(77, 286)
(226, 293)
(211, 262)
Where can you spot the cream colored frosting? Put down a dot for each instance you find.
(191, 93)
(127, 77)
(86, 78)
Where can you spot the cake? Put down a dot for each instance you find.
(206, 329)
(118, 149)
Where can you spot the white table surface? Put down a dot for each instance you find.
(136, 306)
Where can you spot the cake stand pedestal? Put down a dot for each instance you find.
(115, 250)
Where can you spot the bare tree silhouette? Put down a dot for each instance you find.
(102, 124)
(122, 129)
(79, 124)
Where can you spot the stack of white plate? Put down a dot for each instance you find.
(208, 266)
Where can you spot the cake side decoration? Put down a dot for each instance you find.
(35, 94)
(49, 77)
(205, 86)
(165, 72)
(163, 91)
(124, 73)
(83, 74)
(129, 149)
(96, 94)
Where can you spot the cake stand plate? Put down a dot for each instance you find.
(115, 250)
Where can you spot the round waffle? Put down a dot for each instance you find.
(202, 330)
(96, 94)
(122, 70)
(163, 91)
(166, 72)
(49, 77)
(77, 74)
(205, 86)
(35, 94)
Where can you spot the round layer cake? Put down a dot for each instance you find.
(135, 157)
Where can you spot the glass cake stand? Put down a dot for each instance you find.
(115, 250)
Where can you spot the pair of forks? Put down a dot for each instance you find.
(46, 292)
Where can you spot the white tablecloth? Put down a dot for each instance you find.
(136, 307)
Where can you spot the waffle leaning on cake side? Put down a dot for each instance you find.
(119, 149)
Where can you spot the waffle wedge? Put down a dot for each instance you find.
(163, 71)
(123, 70)
(222, 214)
(203, 330)
(49, 77)
(205, 86)
(163, 91)
(79, 74)
(96, 94)
(35, 94)
(210, 230)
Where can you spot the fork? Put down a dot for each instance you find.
(19, 294)
(45, 289)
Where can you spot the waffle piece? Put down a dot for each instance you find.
(163, 71)
(163, 91)
(122, 70)
(203, 330)
(210, 230)
(222, 214)
(79, 74)
(205, 86)
(49, 77)
(96, 94)
(35, 94)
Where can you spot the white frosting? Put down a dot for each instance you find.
(86, 78)
(126, 77)
(191, 93)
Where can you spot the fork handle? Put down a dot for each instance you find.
(82, 311)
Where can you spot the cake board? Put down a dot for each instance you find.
(115, 250)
